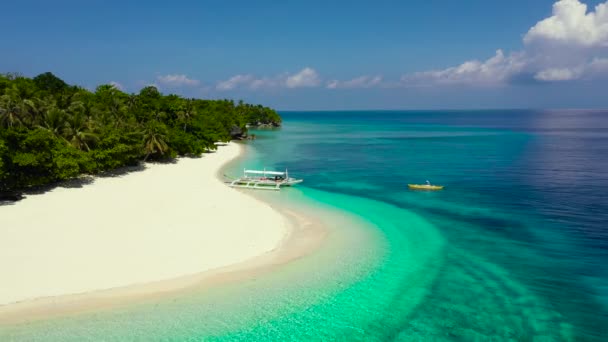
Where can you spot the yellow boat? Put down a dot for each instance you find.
(425, 187)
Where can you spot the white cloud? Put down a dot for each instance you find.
(571, 24)
(598, 66)
(496, 69)
(596, 69)
(117, 85)
(557, 74)
(250, 82)
(267, 82)
(570, 44)
(307, 77)
(234, 82)
(358, 82)
(333, 84)
(566, 46)
(175, 80)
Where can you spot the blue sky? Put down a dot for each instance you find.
(323, 54)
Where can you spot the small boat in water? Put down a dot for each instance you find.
(427, 186)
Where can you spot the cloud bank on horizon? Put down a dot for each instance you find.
(306, 77)
(176, 80)
(570, 45)
(567, 46)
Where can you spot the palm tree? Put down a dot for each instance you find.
(76, 107)
(10, 112)
(117, 108)
(131, 102)
(36, 108)
(154, 139)
(79, 132)
(54, 121)
(15, 110)
(186, 113)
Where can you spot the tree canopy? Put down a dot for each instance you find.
(51, 131)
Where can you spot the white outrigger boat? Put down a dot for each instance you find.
(264, 180)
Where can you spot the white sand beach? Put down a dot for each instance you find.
(167, 221)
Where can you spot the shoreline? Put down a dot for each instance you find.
(301, 235)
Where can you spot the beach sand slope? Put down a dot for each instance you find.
(166, 221)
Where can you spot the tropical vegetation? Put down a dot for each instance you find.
(51, 131)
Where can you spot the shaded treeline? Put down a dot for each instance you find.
(51, 131)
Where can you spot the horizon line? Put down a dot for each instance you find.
(440, 109)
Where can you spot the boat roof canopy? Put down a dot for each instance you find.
(258, 172)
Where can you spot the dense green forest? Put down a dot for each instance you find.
(51, 131)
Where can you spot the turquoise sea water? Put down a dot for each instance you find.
(514, 249)
(523, 218)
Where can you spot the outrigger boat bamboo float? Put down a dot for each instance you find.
(264, 180)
